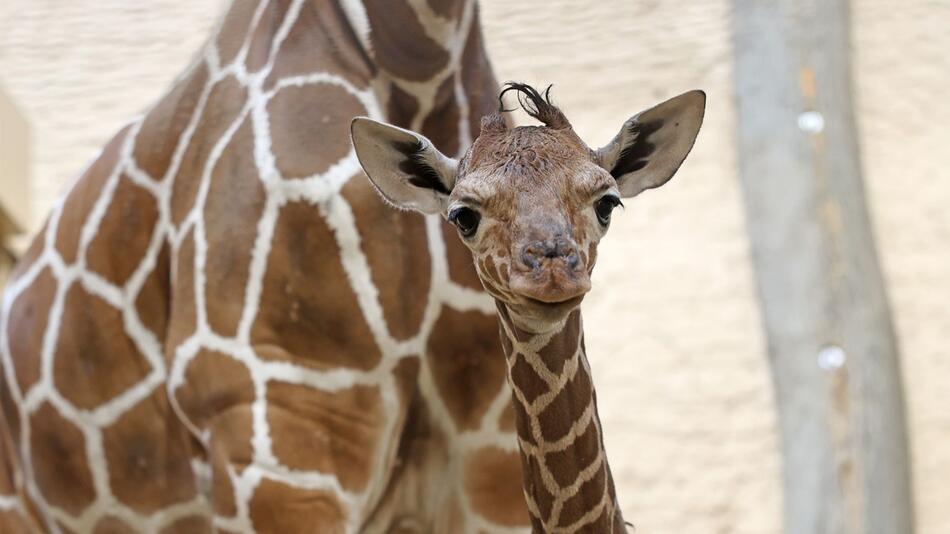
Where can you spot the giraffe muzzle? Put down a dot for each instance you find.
(551, 273)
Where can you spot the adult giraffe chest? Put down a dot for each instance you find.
(251, 358)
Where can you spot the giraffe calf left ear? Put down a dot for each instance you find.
(652, 144)
(405, 167)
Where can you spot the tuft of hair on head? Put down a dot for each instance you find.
(536, 104)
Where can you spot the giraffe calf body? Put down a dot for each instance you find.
(532, 203)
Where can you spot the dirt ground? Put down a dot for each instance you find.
(673, 323)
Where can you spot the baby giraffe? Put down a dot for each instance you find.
(532, 203)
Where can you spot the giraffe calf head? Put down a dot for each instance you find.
(531, 202)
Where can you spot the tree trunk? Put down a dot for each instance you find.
(831, 342)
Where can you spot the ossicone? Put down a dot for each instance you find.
(493, 123)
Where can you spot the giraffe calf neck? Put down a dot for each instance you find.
(567, 479)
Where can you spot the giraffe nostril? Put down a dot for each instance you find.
(573, 260)
(529, 258)
(534, 254)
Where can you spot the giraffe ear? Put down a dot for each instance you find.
(405, 167)
(652, 144)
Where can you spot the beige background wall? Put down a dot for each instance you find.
(674, 333)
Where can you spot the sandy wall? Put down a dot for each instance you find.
(673, 325)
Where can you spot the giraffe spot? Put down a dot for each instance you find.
(423, 449)
(527, 380)
(112, 525)
(401, 108)
(31, 255)
(506, 344)
(563, 346)
(223, 500)
(221, 110)
(8, 463)
(10, 423)
(95, 359)
(216, 397)
(333, 48)
(566, 465)
(587, 497)
(441, 125)
(154, 299)
(147, 452)
(216, 385)
(406, 375)
(532, 479)
(262, 38)
(308, 312)
(330, 432)
(523, 424)
(414, 422)
(461, 264)
(13, 522)
(127, 226)
(83, 196)
(506, 422)
(277, 507)
(591, 258)
(467, 364)
(496, 272)
(32, 512)
(163, 125)
(449, 9)
(310, 127)
(182, 319)
(193, 524)
(492, 482)
(396, 247)
(58, 451)
(235, 203)
(26, 327)
(400, 43)
(567, 407)
(234, 29)
(478, 79)
(489, 277)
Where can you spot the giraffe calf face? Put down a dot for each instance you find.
(531, 202)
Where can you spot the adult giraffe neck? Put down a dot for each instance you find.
(567, 480)
(431, 69)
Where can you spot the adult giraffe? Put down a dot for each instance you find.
(532, 204)
(220, 328)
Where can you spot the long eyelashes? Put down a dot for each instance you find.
(604, 207)
(465, 219)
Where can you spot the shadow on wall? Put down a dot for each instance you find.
(14, 174)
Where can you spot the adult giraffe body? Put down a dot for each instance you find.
(219, 327)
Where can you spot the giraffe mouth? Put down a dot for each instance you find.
(545, 310)
(549, 294)
(555, 304)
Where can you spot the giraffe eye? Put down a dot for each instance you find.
(604, 207)
(465, 219)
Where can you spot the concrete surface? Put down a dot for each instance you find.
(673, 326)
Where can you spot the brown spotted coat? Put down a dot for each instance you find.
(220, 327)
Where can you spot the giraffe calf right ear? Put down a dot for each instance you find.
(405, 167)
(652, 144)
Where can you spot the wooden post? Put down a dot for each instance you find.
(830, 338)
